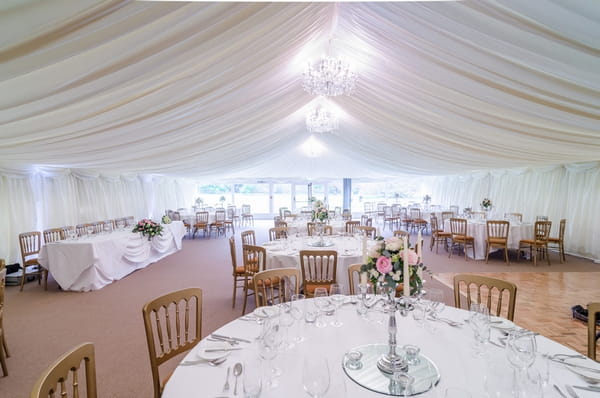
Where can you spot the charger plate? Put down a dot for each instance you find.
(425, 373)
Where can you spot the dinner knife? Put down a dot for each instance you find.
(218, 336)
(588, 388)
(571, 391)
(575, 365)
(562, 394)
(222, 349)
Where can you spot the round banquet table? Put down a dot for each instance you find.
(285, 253)
(450, 348)
(478, 230)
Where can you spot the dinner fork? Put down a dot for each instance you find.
(226, 385)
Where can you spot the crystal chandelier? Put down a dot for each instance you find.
(321, 119)
(329, 77)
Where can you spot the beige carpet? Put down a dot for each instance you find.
(41, 325)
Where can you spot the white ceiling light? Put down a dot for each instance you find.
(321, 118)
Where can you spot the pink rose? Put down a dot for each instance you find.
(413, 259)
(384, 265)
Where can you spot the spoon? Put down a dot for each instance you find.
(237, 370)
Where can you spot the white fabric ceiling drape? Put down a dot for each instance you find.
(213, 89)
(101, 90)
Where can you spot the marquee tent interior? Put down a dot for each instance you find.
(110, 108)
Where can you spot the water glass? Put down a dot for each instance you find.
(297, 312)
(322, 301)
(479, 321)
(337, 298)
(315, 376)
(252, 378)
(311, 312)
(520, 352)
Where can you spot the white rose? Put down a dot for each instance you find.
(396, 276)
(393, 243)
(374, 273)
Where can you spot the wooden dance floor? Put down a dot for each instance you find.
(544, 301)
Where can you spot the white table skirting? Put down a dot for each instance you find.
(91, 263)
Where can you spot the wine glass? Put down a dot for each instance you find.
(520, 351)
(321, 301)
(337, 298)
(268, 347)
(480, 323)
(286, 320)
(252, 378)
(436, 303)
(315, 376)
(297, 311)
(90, 231)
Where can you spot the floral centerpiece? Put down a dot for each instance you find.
(385, 263)
(148, 228)
(486, 203)
(319, 211)
(166, 220)
(426, 199)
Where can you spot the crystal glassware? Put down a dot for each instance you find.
(315, 376)
(337, 298)
(321, 301)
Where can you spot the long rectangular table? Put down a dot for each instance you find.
(91, 263)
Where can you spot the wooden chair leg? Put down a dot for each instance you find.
(5, 345)
(245, 295)
(487, 251)
(2, 357)
(234, 291)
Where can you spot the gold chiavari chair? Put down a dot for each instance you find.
(351, 226)
(437, 234)
(30, 243)
(255, 258)
(173, 324)
(368, 231)
(353, 277)
(497, 236)
(319, 268)
(416, 220)
(346, 215)
(559, 242)
(238, 273)
(218, 225)
(513, 217)
(201, 223)
(458, 229)
(278, 233)
(248, 237)
(54, 380)
(53, 235)
(276, 286)
(593, 336)
(539, 243)
(247, 217)
(488, 291)
(401, 234)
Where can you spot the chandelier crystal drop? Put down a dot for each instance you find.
(321, 119)
(329, 77)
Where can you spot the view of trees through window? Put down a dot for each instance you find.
(267, 198)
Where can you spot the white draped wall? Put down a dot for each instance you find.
(569, 192)
(51, 199)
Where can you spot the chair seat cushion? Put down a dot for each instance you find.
(309, 288)
(554, 240)
(500, 241)
(240, 271)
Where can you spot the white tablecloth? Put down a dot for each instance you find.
(92, 263)
(285, 253)
(450, 348)
(478, 230)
